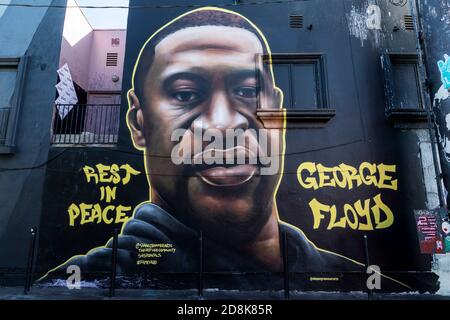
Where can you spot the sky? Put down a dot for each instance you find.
(105, 18)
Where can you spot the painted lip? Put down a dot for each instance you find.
(225, 175)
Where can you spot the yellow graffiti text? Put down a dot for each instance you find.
(147, 262)
(107, 193)
(114, 173)
(93, 213)
(372, 214)
(314, 176)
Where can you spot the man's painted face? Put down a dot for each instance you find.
(207, 80)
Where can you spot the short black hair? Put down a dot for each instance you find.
(196, 18)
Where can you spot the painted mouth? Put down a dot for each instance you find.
(228, 177)
(226, 168)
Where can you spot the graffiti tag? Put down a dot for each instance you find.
(444, 68)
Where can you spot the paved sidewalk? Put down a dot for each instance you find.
(61, 293)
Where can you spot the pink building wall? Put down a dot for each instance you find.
(87, 62)
(100, 75)
(78, 59)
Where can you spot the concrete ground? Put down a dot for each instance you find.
(62, 293)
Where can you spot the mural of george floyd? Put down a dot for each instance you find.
(254, 139)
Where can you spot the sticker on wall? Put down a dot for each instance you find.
(429, 226)
(446, 233)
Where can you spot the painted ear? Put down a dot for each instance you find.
(135, 121)
(441, 65)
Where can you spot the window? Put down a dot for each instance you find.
(302, 78)
(11, 83)
(8, 75)
(402, 87)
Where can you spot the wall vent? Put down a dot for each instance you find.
(409, 23)
(111, 59)
(296, 21)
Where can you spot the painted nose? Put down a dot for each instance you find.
(220, 115)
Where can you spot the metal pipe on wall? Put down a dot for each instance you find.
(424, 74)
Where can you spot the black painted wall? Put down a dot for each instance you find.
(358, 133)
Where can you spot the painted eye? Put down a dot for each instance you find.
(186, 96)
(246, 92)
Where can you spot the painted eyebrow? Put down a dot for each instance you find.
(192, 76)
(202, 79)
(251, 73)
